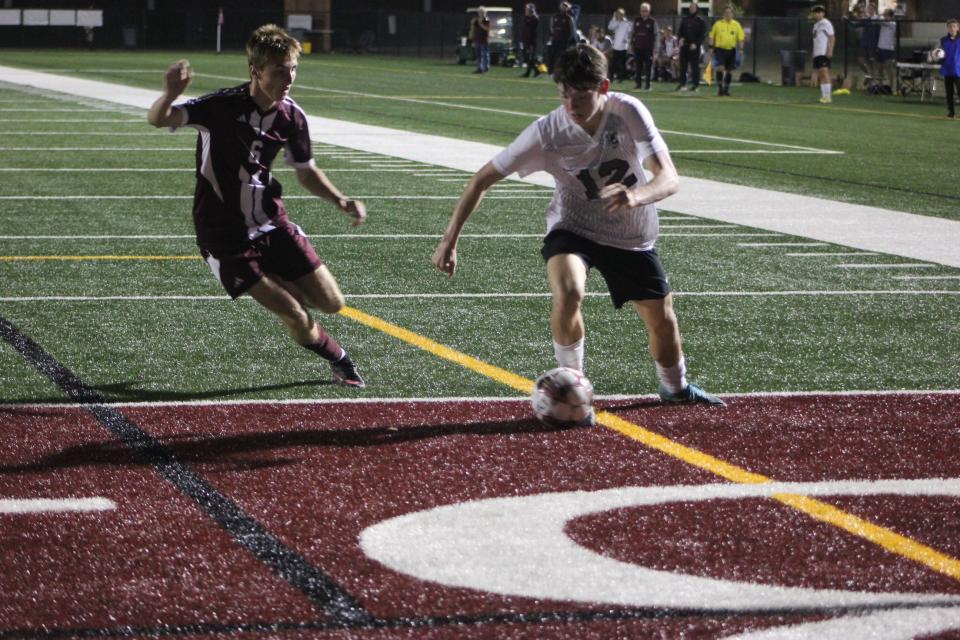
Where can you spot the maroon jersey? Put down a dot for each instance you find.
(644, 33)
(237, 199)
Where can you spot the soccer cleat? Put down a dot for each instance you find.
(345, 373)
(825, 100)
(691, 394)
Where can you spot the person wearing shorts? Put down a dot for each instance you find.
(242, 227)
(602, 215)
(823, 41)
(726, 39)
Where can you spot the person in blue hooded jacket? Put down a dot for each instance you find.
(950, 67)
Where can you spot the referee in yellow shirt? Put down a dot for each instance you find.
(726, 39)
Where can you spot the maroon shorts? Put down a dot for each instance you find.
(284, 252)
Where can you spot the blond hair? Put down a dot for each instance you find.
(270, 42)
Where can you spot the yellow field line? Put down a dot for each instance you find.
(19, 258)
(816, 509)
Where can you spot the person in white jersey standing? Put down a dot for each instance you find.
(823, 41)
(596, 146)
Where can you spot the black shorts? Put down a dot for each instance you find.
(821, 62)
(284, 252)
(726, 58)
(630, 275)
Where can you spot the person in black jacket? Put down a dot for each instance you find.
(563, 31)
(693, 30)
(528, 39)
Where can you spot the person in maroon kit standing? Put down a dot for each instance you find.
(528, 39)
(562, 34)
(243, 230)
(644, 43)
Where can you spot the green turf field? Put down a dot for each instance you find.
(892, 147)
(113, 287)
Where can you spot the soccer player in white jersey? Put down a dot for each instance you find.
(823, 41)
(602, 214)
(243, 230)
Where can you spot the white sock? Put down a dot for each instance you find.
(569, 356)
(825, 90)
(673, 378)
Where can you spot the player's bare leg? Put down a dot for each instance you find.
(275, 297)
(319, 290)
(662, 329)
(667, 351)
(567, 274)
(288, 300)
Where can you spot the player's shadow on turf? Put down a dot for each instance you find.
(222, 451)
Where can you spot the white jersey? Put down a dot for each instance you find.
(621, 30)
(887, 40)
(582, 164)
(822, 32)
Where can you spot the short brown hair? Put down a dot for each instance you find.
(580, 67)
(270, 42)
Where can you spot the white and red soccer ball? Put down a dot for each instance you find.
(562, 396)
(937, 55)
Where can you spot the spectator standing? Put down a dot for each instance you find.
(887, 52)
(563, 32)
(726, 38)
(950, 67)
(869, 26)
(480, 28)
(644, 43)
(693, 31)
(528, 39)
(620, 28)
(823, 41)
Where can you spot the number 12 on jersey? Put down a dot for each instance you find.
(615, 170)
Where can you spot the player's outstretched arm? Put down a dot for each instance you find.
(665, 183)
(317, 183)
(176, 79)
(445, 255)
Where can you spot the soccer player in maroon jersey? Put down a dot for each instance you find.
(242, 227)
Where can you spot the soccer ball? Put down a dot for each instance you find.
(937, 55)
(562, 397)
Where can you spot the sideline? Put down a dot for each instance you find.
(868, 228)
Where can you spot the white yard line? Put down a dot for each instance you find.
(190, 197)
(783, 152)
(488, 296)
(926, 277)
(905, 265)
(92, 134)
(19, 506)
(830, 253)
(856, 226)
(781, 244)
(112, 149)
(345, 236)
(471, 399)
(72, 120)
